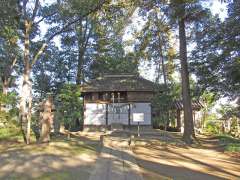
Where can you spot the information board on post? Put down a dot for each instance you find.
(138, 117)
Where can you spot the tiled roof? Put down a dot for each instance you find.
(196, 105)
(122, 82)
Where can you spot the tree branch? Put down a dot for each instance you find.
(63, 29)
(36, 6)
(25, 8)
(85, 30)
(14, 62)
(78, 19)
(39, 53)
(44, 17)
(87, 39)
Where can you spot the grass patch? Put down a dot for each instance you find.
(63, 175)
(10, 133)
(233, 147)
(47, 155)
(59, 146)
(56, 175)
(231, 144)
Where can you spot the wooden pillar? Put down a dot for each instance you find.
(194, 117)
(238, 128)
(129, 115)
(107, 114)
(178, 119)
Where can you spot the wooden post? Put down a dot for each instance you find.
(178, 119)
(129, 115)
(194, 118)
(138, 130)
(83, 115)
(106, 114)
(237, 134)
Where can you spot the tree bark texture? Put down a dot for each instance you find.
(83, 34)
(26, 93)
(188, 119)
(178, 120)
(5, 85)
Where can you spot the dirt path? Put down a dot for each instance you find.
(160, 160)
(156, 156)
(116, 161)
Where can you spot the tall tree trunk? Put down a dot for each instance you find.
(163, 66)
(80, 42)
(188, 119)
(83, 33)
(26, 107)
(5, 85)
(178, 120)
(164, 78)
(26, 93)
(6, 77)
(79, 78)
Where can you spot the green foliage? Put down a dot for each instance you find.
(215, 60)
(109, 54)
(162, 103)
(9, 53)
(111, 65)
(9, 14)
(154, 42)
(209, 99)
(233, 147)
(213, 126)
(9, 112)
(10, 131)
(227, 111)
(231, 144)
(70, 104)
(231, 113)
(54, 69)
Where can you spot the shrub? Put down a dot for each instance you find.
(231, 144)
(233, 147)
(213, 127)
(10, 132)
(70, 106)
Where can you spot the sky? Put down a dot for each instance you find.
(218, 8)
(146, 69)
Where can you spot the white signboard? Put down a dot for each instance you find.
(138, 117)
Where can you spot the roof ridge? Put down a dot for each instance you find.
(119, 82)
(119, 75)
